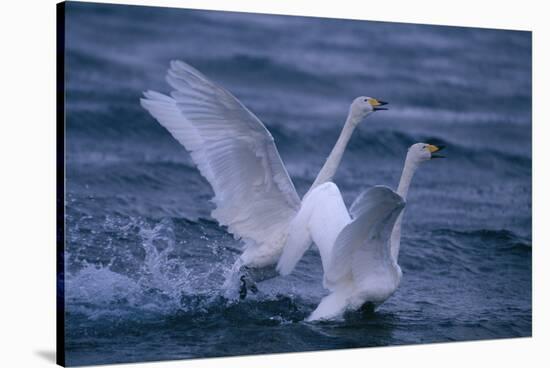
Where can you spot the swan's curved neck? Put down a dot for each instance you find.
(403, 189)
(406, 177)
(333, 160)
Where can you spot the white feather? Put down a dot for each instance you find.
(355, 251)
(298, 241)
(322, 216)
(362, 250)
(233, 150)
(359, 254)
(365, 240)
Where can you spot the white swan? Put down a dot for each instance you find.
(254, 196)
(359, 252)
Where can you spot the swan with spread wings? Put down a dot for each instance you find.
(359, 250)
(253, 193)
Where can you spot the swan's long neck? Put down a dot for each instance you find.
(333, 160)
(403, 189)
(406, 177)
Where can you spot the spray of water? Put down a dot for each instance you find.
(165, 282)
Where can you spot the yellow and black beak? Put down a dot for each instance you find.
(376, 104)
(433, 149)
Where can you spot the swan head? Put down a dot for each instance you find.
(420, 152)
(362, 106)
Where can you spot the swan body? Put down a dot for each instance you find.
(253, 193)
(359, 249)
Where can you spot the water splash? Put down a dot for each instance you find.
(166, 282)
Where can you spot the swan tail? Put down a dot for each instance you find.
(297, 243)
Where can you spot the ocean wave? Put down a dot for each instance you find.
(395, 143)
(145, 262)
(134, 124)
(265, 71)
(159, 283)
(501, 239)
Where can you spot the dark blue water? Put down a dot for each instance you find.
(144, 259)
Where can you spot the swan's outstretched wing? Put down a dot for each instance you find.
(233, 150)
(363, 244)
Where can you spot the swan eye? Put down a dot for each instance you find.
(366, 99)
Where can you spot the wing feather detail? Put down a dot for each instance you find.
(253, 193)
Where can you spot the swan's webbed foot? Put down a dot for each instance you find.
(242, 288)
(246, 285)
(245, 278)
(368, 308)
